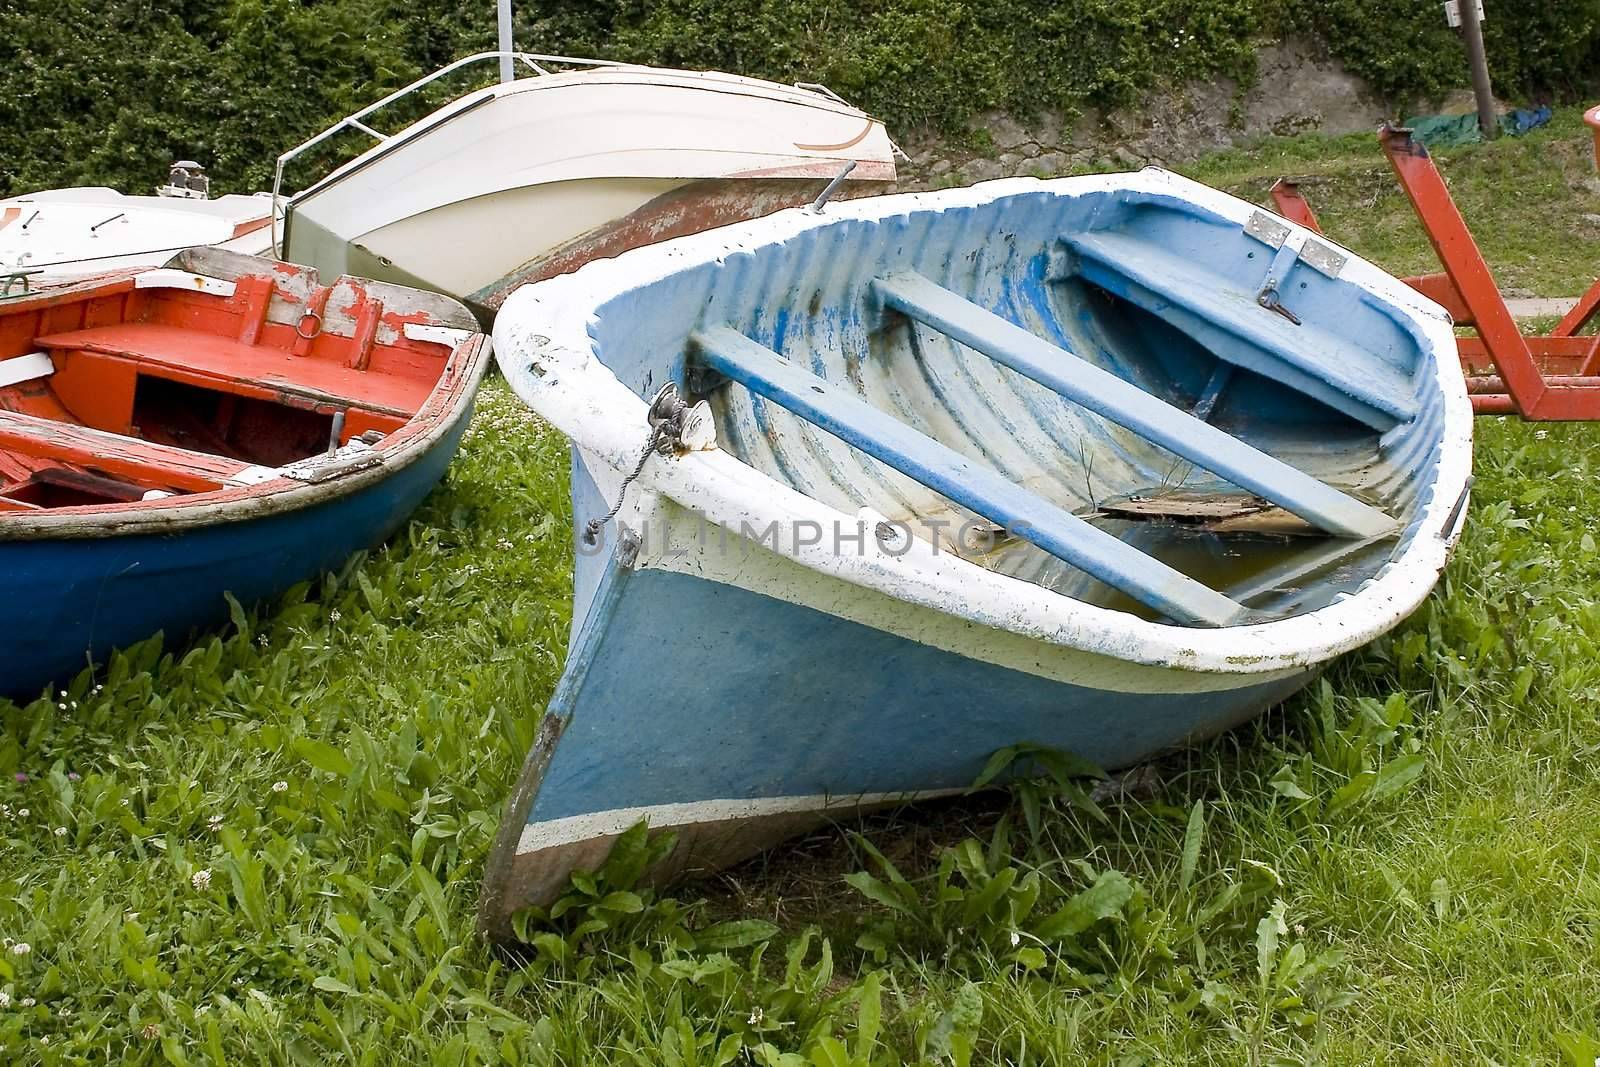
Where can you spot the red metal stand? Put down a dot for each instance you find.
(1550, 377)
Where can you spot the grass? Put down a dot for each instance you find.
(264, 846)
(1524, 198)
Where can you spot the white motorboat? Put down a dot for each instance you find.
(57, 236)
(532, 177)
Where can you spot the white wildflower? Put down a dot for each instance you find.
(504, 545)
(334, 616)
(28, 1002)
(61, 831)
(22, 813)
(214, 823)
(201, 879)
(1016, 939)
(21, 948)
(5, 999)
(280, 787)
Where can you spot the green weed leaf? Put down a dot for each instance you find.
(322, 756)
(738, 933)
(1193, 837)
(1107, 897)
(1397, 775)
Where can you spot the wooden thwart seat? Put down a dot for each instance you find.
(1127, 405)
(1307, 358)
(211, 361)
(973, 486)
(142, 462)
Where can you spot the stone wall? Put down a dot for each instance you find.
(1299, 88)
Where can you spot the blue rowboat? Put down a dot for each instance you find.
(224, 424)
(1104, 464)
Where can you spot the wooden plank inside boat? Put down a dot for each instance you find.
(1217, 512)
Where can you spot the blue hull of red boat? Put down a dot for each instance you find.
(73, 600)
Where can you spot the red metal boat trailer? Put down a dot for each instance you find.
(1549, 377)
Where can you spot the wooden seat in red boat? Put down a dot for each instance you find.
(267, 371)
(146, 464)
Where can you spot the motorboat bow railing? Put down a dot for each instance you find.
(537, 62)
(357, 120)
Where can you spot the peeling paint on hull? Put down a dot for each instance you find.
(765, 719)
(138, 367)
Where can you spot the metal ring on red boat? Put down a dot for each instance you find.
(299, 327)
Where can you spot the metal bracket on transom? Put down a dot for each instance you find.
(15, 277)
(1291, 249)
(1318, 255)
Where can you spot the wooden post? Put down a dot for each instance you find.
(1472, 34)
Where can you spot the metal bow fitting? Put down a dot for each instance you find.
(667, 416)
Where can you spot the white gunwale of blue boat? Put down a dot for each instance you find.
(543, 342)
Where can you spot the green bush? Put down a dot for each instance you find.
(1548, 47)
(109, 91)
(938, 61)
(1404, 49)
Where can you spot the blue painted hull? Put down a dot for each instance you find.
(76, 599)
(778, 699)
(732, 730)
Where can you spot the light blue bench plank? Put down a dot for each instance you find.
(981, 489)
(1307, 358)
(1127, 405)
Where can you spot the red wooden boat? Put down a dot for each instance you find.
(224, 423)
